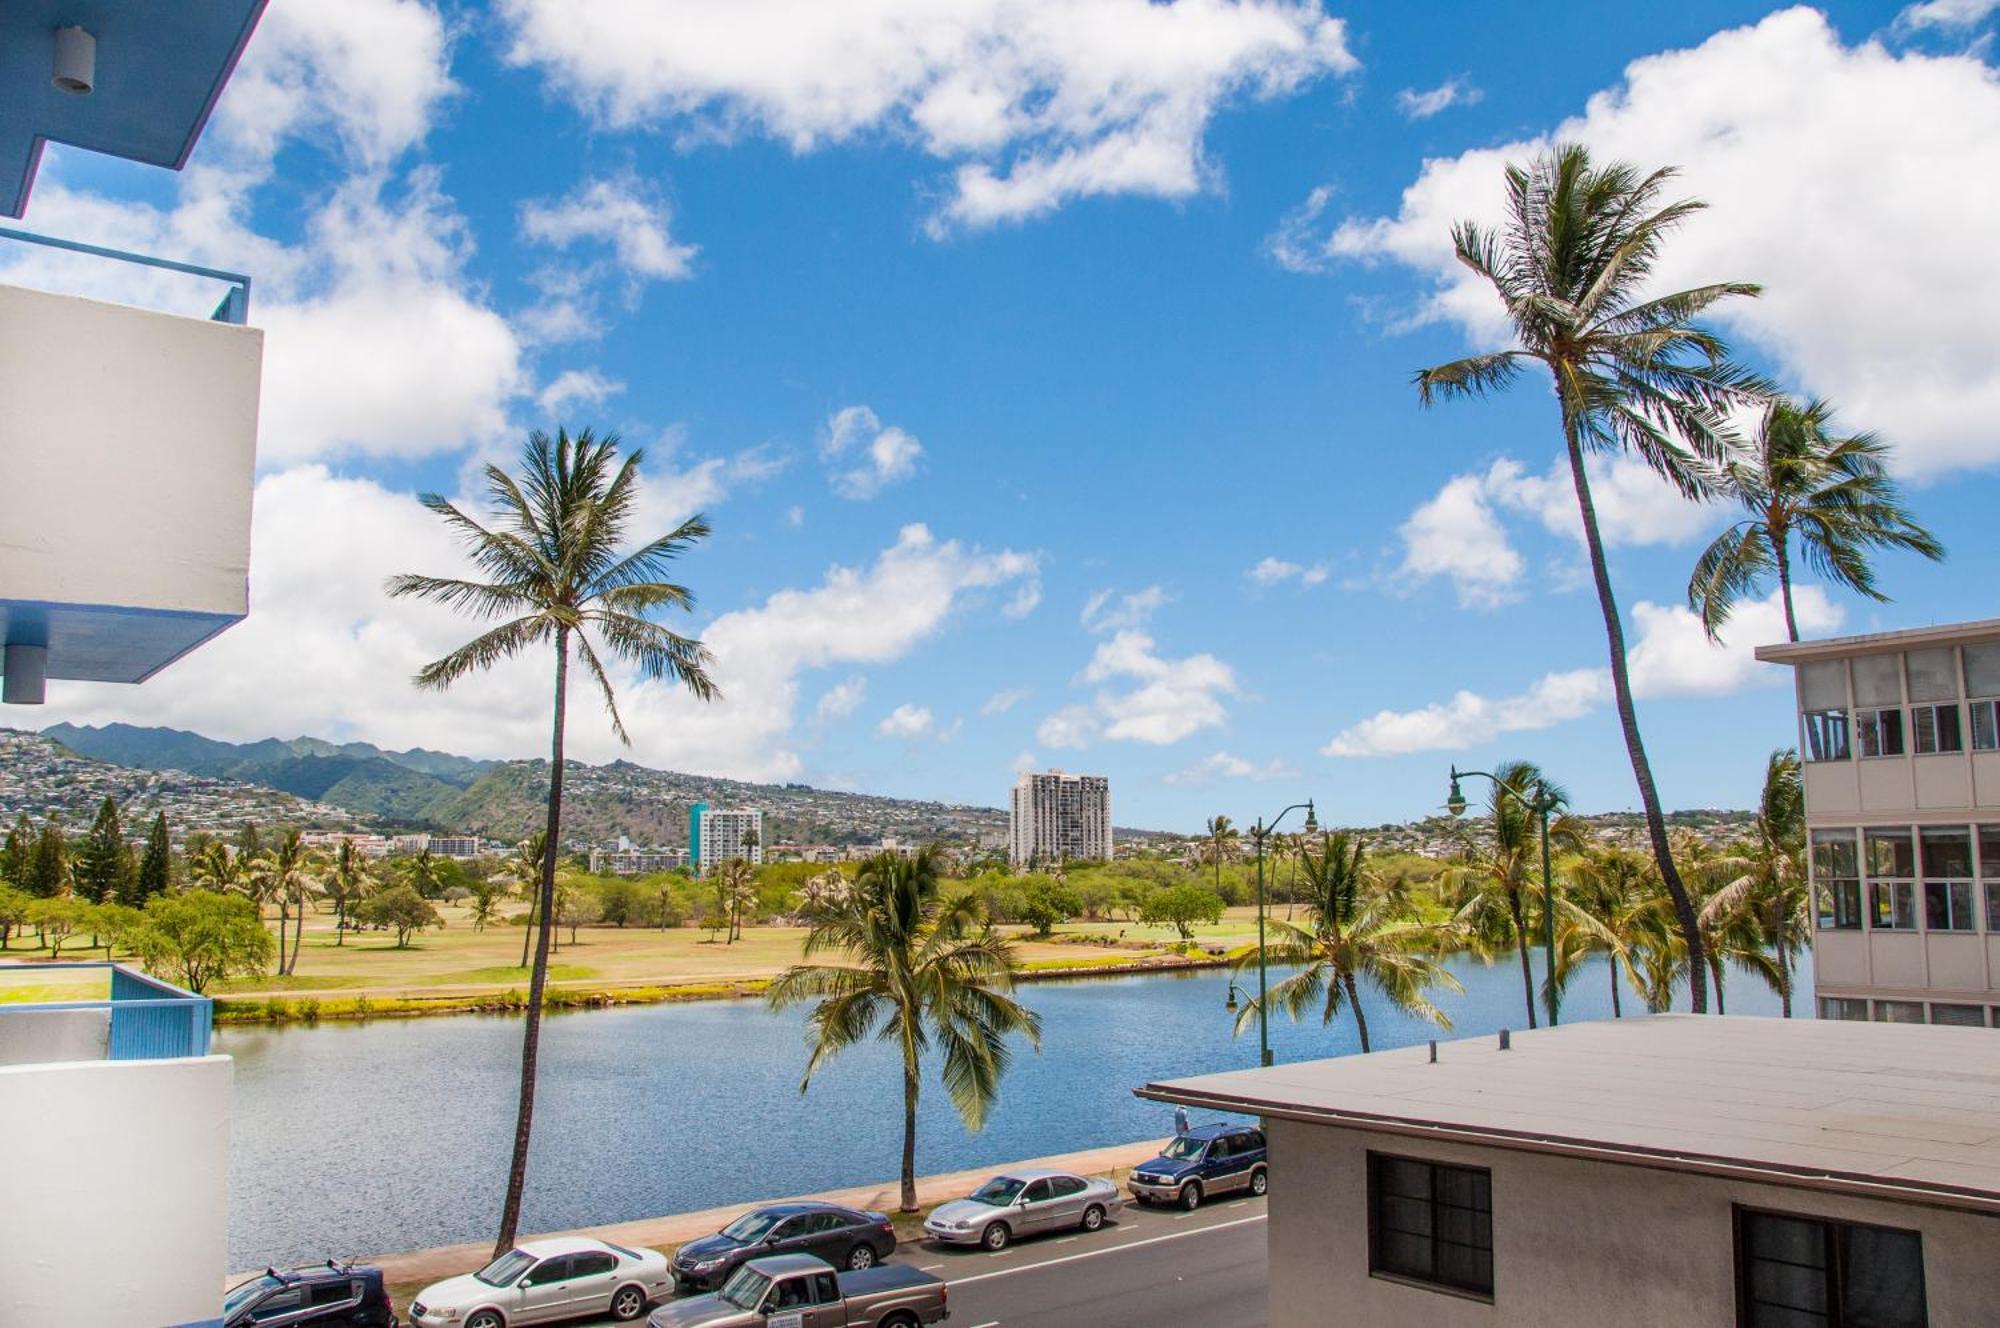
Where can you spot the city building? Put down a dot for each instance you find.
(129, 545)
(1678, 1169)
(367, 845)
(1059, 817)
(117, 1210)
(717, 834)
(627, 861)
(1900, 746)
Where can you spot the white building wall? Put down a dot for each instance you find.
(1575, 1243)
(1059, 817)
(116, 1207)
(722, 834)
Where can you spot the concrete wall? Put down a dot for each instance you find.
(1574, 1243)
(116, 1202)
(36, 1037)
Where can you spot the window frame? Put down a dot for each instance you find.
(1377, 1267)
(1869, 728)
(1833, 1265)
(1837, 894)
(1936, 711)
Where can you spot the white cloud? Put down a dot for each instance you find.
(1001, 702)
(1882, 302)
(1272, 571)
(906, 721)
(842, 699)
(1670, 657)
(1296, 245)
(585, 387)
(1423, 105)
(620, 212)
(1035, 102)
(1456, 535)
(885, 454)
(1100, 614)
(1171, 698)
(1022, 763)
(1026, 600)
(795, 516)
(1073, 726)
(1221, 765)
(1947, 14)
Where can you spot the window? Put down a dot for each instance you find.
(1881, 732)
(1982, 669)
(547, 1271)
(1878, 680)
(1843, 1007)
(1947, 856)
(1892, 891)
(1899, 1012)
(278, 1303)
(1804, 1272)
(595, 1264)
(1933, 674)
(333, 1293)
(1985, 725)
(1222, 1149)
(1066, 1186)
(826, 1290)
(1431, 1223)
(1836, 866)
(1823, 698)
(1827, 737)
(1962, 1016)
(1934, 729)
(1989, 869)
(1037, 1192)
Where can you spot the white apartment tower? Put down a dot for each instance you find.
(717, 834)
(1059, 817)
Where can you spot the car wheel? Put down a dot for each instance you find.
(860, 1257)
(996, 1236)
(899, 1320)
(486, 1319)
(1093, 1218)
(1191, 1195)
(628, 1303)
(1259, 1182)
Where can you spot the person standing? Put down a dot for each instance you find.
(1180, 1121)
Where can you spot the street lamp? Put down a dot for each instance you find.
(1262, 832)
(1235, 991)
(1541, 804)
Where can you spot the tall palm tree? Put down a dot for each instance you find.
(1222, 840)
(556, 576)
(920, 968)
(1801, 479)
(347, 883)
(1357, 929)
(527, 869)
(258, 880)
(735, 889)
(290, 866)
(1632, 373)
(1491, 891)
(1771, 893)
(214, 867)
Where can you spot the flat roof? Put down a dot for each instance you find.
(1794, 652)
(1896, 1111)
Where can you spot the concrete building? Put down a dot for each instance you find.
(636, 861)
(1678, 1169)
(1059, 817)
(717, 834)
(117, 1205)
(1900, 744)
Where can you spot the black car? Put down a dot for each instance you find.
(326, 1295)
(844, 1237)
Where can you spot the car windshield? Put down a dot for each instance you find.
(751, 1227)
(503, 1270)
(1183, 1148)
(745, 1288)
(247, 1293)
(1000, 1191)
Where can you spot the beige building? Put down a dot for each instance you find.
(1901, 748)
(1673, 1170)
(1058, 817)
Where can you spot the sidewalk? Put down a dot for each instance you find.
(422, 1267)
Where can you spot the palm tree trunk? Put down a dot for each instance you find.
(299, 936)
(1354, 1004)
(284, 921)
(1715, 967)
(1521, 948)
(1785, 978)
(531, 1035)
(528, 932)
(1780, 545)
(340, 922)
(1628, 720)
(1617, 1011)
(911, 1083)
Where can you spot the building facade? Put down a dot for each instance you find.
(717, 834)
(1059, 817)
(1900, 745)
(636, 861)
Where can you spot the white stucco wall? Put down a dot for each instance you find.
(1574, 1243)
(38, 1037)
(127, 445)
(115, 1206)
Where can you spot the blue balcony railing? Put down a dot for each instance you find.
(149, 1019)
(235, 306)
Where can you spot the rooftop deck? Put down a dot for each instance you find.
(53, 1013)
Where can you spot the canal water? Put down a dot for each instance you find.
(363, 1138)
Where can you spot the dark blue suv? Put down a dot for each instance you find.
(1207, 1160)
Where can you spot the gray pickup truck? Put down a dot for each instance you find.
(799, 1291)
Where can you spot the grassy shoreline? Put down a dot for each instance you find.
(279, 1010)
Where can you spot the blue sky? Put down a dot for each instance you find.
(1002, 366)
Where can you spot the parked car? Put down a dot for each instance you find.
(1206, 1161)
(800, 1291)
(326, 1295)
(544, 1281)
(844, 1237)
(1027, 1202)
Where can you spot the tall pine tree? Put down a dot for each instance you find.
(156, 868)
(105, 870)
(17, 855)
(48, 869)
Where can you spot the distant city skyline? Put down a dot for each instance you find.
(1056, 816)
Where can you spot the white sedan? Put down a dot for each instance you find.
(543, 1281)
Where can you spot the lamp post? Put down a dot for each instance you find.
(1541, 804)
(1262, 832)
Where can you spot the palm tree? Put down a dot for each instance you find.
(1612, 904)
(420, 873)
(1832, 492)
(1222, 841)
(346, 884)
(556, 576)
(1631, 374)
(920, 967)
(290, 869)
(259, 882)
(735, 889)
(214, 867)
(1357, 929)
(1490, 892)
(1771, 894)
(527, 869)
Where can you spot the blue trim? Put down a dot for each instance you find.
(235, 306)
(150, 1020)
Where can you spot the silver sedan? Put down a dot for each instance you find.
(1026, 1202)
